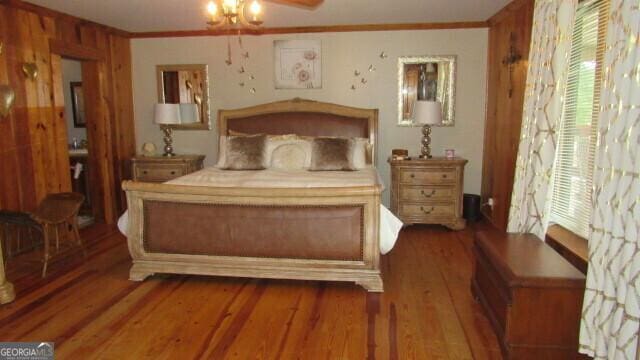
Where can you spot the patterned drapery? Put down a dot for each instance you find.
(611, 309)
(544, 92)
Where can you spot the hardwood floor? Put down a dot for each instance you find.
(91, 310)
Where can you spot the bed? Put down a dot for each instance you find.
(269, 223)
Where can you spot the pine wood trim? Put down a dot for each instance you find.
(315, 29)
(503, 114)
(43, 11)
(513, 6)
(74, 51)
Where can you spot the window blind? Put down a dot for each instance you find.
(573, 176)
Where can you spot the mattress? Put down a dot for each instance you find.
(390, 225)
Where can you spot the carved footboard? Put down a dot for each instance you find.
(310, 234)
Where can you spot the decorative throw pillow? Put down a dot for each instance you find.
(287, 152)
(289, 157)
(244, 152)
(332, 154)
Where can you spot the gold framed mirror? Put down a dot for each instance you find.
(186, 84)
(431, 78)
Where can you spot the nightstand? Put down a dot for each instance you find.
(428, 191)
(162, 168)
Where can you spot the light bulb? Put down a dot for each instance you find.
(230, 6)
(212, 8)
(255, 8)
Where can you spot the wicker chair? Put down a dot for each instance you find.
(56, 218)
(56, 213)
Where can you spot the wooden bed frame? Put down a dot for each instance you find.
(303, 117)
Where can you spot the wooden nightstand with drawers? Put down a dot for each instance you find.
(161, 168)
(428, 191)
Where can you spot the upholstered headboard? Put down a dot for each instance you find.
(302, 117)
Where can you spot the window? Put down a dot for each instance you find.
(571, 202)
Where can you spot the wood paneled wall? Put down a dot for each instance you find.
(33, 139)
(504, 112)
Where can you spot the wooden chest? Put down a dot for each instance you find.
(531, 295)
(428, 191)
(161, 169)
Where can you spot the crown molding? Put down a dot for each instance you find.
(314, 29)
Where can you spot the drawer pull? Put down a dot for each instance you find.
(433, 192)
(444, 176)
(145, 172)
(173, 173)
(412, 176)
(427, 211)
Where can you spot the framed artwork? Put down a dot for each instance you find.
(77, 102)
(298, 64)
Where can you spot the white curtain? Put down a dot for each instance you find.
(545, 87)
(611, 309)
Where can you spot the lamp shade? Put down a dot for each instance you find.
(428, 112)
(189, 114)
(167, 114)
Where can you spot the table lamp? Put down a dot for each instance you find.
(174, 114)
(165, 116)
(427, 113)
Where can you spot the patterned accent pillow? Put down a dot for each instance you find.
(288, 152)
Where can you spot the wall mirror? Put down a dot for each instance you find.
(431, 78)
(185, 84)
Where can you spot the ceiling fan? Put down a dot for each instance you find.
(246, 13)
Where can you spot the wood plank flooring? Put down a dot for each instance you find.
(90, 310)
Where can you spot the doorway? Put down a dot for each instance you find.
(77, 139)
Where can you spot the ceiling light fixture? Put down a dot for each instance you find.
(234, 14)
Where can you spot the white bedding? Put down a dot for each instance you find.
(276, 178)
(390, 225)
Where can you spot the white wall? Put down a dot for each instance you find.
(342, 53)
(71, 71)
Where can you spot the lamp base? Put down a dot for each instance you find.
(168, 147)
(425, 151)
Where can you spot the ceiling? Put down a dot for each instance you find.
(175, 15)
